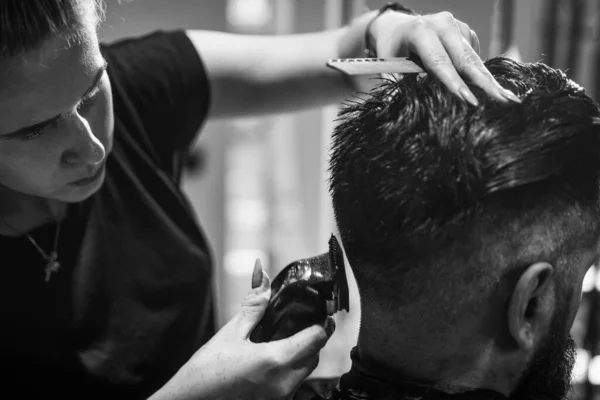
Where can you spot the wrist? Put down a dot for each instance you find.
(359, 39)
(188, 383)
(351, 42)
(379, 20)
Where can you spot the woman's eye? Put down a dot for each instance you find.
(34, 134)
(87, 102)
(83, 105)
(37, 132)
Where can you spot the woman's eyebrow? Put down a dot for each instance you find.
(40, 125)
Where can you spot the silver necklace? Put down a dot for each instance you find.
(52, 263)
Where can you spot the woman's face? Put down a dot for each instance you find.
(56, 119)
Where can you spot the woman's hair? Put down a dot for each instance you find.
(25, 24)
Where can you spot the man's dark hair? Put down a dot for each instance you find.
(431, 194)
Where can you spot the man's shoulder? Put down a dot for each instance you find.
(318, 389)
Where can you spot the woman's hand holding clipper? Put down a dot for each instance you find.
(230, 366)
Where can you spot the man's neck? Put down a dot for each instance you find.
(369, 381)
(413, 358)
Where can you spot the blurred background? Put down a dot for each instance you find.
(259, 185)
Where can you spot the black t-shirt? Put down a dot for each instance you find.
(132, 301)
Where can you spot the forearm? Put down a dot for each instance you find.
(298, 78)
(188, 385)
(252, 75)
(269, 74)
(302, 70)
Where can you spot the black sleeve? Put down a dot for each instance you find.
(161, 94)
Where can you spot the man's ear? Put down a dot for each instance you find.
(531, 305)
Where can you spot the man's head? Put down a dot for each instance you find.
(56, 115)
(469, 229)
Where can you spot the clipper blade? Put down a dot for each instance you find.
(336, 260)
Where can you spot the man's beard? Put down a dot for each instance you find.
(548, 374)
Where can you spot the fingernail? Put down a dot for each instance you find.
(510, 96)
(265, 281)
(468, 95)
(257, 275)
(329, 326)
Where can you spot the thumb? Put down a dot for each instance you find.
(306, 343)
(256, 302)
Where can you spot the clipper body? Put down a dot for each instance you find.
(304, 293)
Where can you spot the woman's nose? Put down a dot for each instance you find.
(84, 148)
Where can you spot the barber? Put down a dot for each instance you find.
(105, 272)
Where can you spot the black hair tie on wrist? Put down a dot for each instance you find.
(370, 50)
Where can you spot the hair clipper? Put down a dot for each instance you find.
(304, 293)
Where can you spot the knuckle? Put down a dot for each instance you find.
(464, 30)
(319, 340)
(282, 389)
(247, 313)
(314, 362)
(317, 333)
(250, 306)
(446, 16)
(272, 360)
(419, 23)
(254, 300)
(321, 336)
(471, 59)
(438, 59)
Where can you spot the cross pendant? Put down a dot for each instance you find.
(52, 267)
